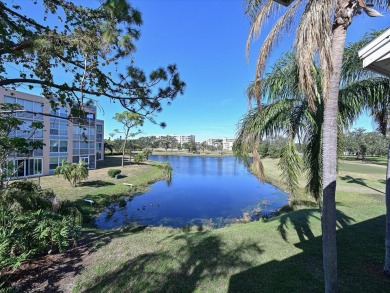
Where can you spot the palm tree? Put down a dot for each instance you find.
(320, 32)
(287, 112)
(72, 172)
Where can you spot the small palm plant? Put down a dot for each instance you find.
(72, 172)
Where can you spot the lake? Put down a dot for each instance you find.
(204, 191)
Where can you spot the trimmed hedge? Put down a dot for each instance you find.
(113, 172)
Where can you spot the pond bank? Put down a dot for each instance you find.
(99, 190)
(253, 257)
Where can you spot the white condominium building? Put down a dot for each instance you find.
(63, 139)
(184, 138)
(227, 143)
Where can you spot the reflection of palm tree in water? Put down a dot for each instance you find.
(301, 223)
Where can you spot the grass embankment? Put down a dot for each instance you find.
(103, 189)
(281, 255)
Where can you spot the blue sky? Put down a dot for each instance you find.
(206, 39)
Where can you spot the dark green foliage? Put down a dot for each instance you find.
(113, 172)
(33, 222)
(84, 44)
(361, 143)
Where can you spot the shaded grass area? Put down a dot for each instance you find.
(382, 161)
(283, 254)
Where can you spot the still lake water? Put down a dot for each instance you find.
(203, 190)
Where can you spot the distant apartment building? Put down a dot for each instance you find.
(184, 138)
(179, 138)
(63, 139)
(212, 141)
(227, 143)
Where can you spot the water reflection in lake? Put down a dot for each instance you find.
(204, 190)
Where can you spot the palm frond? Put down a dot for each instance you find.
(317, 17)
(352, 69)
(259, 18)
(313, 152)
(290, 164)
(283, 24)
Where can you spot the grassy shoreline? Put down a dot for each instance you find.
(102, 189)
(281, 255)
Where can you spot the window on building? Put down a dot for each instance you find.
(56, 161)
(58, 146)
(54, 146)
(27, 167)
(63, 146)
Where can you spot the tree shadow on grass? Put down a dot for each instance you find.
(360, 181)
(47, 273)
(360, 263)
(95, 183)
(300, 220)
(198, 256)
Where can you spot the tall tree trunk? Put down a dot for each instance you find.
(387, 237)
(124, 152)
(129, 152)
(329, 157)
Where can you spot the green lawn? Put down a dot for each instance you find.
(103, 189)
(369, 159)
(281, 255)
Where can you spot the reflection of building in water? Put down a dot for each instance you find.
(80, 140)
(204, 166)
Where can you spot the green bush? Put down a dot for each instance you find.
(139, 158)
(113, 172)
(33, 222)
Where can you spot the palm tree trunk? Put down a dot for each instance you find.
(387, 237)
(329, 158)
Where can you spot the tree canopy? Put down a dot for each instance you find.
(75, 52)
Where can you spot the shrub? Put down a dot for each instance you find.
(113, 172)
(33, 222)
(138, 158)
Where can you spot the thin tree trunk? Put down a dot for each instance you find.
(329, 157)
(129, 152)
(123, 153)
(387, 237)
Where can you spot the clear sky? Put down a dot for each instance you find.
(206, 39)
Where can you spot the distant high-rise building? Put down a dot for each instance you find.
(184, 138)
(179, 138)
